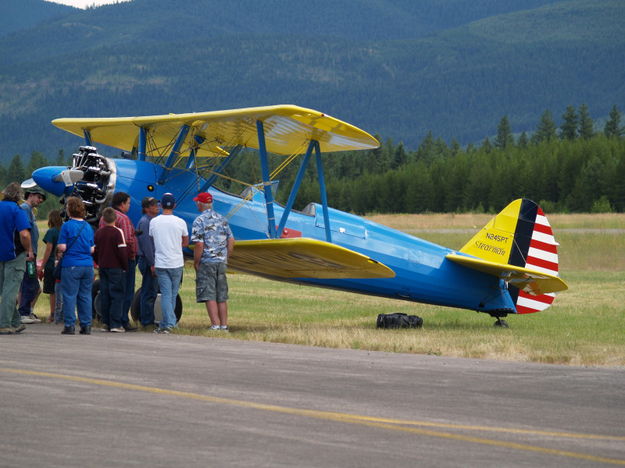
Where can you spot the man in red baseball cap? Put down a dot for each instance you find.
(204, 197)
(213, 245)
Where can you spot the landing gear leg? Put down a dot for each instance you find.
(501, 323)
(499, 314)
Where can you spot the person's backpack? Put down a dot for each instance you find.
(399, 320)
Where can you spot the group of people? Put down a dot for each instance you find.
(67, 268)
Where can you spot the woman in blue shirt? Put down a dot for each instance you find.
(76, 243)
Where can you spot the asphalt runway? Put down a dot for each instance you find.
(141, 399)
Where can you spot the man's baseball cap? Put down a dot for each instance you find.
(168, 201)
(204, 197)
(35, 190)
(148, 201)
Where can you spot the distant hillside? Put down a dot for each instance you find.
(16, 15)
(166, 21)
(398, 68)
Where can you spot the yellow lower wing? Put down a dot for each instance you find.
(531, 281)
(304, 258)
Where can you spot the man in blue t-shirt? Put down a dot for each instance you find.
(13, 256)
(30, 289)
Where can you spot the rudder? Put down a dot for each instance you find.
(519, 235)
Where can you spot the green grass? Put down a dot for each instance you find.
(585, 326)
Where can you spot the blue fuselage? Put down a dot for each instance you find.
(422, 273)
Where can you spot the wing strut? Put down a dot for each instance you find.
(322, 190)
(193, 153)
(264, 163)
(227, 160)
(143, 142)
(87, 135)
(182, 134)
(296, 184)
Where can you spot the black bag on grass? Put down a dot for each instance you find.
(398, 320)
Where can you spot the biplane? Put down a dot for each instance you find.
(508, 267)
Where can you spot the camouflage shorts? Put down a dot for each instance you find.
(211, 283)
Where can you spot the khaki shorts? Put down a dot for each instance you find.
(211, 283)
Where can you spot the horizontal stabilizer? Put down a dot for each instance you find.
(528, 280)
(304, 258)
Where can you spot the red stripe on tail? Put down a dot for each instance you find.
(545, 299)
(551, 248)
(539, 262)
(545, 229)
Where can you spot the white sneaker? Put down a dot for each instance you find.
(224, 328)
(118, 330)
(215, 327)
(28, 319)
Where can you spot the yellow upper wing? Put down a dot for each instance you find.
(287, 130)
(304, 258)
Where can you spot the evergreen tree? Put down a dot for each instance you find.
(441, 148)
(568, 129)
(15, 171)
(586, 189)
(504, 137)
(586, 125)
(617, 185)
(523, 141)
(61, 160)
(37, 160)
(399, 156)
(426, 148)
(546, 130)
(455, 147)
(419, 190)
(612, 127)
(486, 146)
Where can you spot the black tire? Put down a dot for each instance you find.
(135, 307)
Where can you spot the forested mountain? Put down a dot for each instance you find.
(398, 68)
(17, 15)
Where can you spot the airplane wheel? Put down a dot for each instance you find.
(135, 308)
(501, 324)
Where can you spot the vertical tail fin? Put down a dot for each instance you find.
(520, 236)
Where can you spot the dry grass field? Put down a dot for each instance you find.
(585, 326)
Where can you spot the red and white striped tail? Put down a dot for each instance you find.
(542, 256)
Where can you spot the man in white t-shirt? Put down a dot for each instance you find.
(171, 235)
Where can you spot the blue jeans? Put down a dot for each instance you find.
(58, 303)
(29, 290)
(11, 274)
(129, 295)
(76, 284)
(112, 292)
(169, 282)
(149, 290)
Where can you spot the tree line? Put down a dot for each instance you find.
(569, 167)
(565, 168)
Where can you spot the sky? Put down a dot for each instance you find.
(85, 3)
